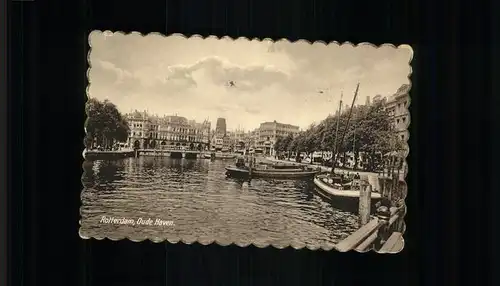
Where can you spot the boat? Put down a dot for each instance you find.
(232, 171)
(241, 170)
(284, 166)
(337, 190)
(279, 165)
(342, 195)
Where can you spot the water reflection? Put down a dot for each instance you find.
(204, 204)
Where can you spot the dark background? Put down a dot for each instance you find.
(449, 234)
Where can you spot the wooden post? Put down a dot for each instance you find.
(365, 195)
(399, 225)
(251, 165)
(383, 188)
(388, 188)
(383, 214)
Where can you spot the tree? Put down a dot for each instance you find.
(369, 131)
(286, 143)
(310, 140)
(104, 123)
(278, 144)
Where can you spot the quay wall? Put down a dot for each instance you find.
(169, 153)
(107, 155)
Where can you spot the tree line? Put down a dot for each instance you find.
(104, 125)
(369, 131)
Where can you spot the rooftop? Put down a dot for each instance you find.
(402, 91)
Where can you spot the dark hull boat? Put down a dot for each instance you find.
(341, 196)
(271, 173)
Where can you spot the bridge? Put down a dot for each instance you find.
(174, 152)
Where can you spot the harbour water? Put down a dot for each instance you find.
(203, 205)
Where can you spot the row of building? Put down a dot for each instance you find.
(262, 139)
(152, 131)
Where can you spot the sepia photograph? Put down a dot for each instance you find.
(246, 142)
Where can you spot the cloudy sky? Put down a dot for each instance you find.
(272, 81)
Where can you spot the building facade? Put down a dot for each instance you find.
(139, 124)
(238, 139)
(254, 137)
(220, 127)
(269, 132)
(154, 132)
(397, 106)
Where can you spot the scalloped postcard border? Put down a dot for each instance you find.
(296, 246)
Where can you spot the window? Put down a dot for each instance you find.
(397, 120)
(402, 137)
(404, 119)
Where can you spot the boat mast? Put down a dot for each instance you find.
(347, 125)
(354, 146)
(334, 155)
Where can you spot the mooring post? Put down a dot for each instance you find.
(383, 214)
(365, 195)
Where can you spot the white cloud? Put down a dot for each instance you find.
(272, 81)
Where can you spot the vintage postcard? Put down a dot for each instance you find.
(238, 141)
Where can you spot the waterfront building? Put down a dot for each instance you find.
(397, 106)
(239, 139)
(227, 143)
(253, 138)
(269, 132)
(220, 127)
(139, 124)
(222, 143)
(219, 139)
(217, 143)
(152, 131)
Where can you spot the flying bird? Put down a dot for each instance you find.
(231, 84)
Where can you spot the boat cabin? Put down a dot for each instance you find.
(240, 162)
